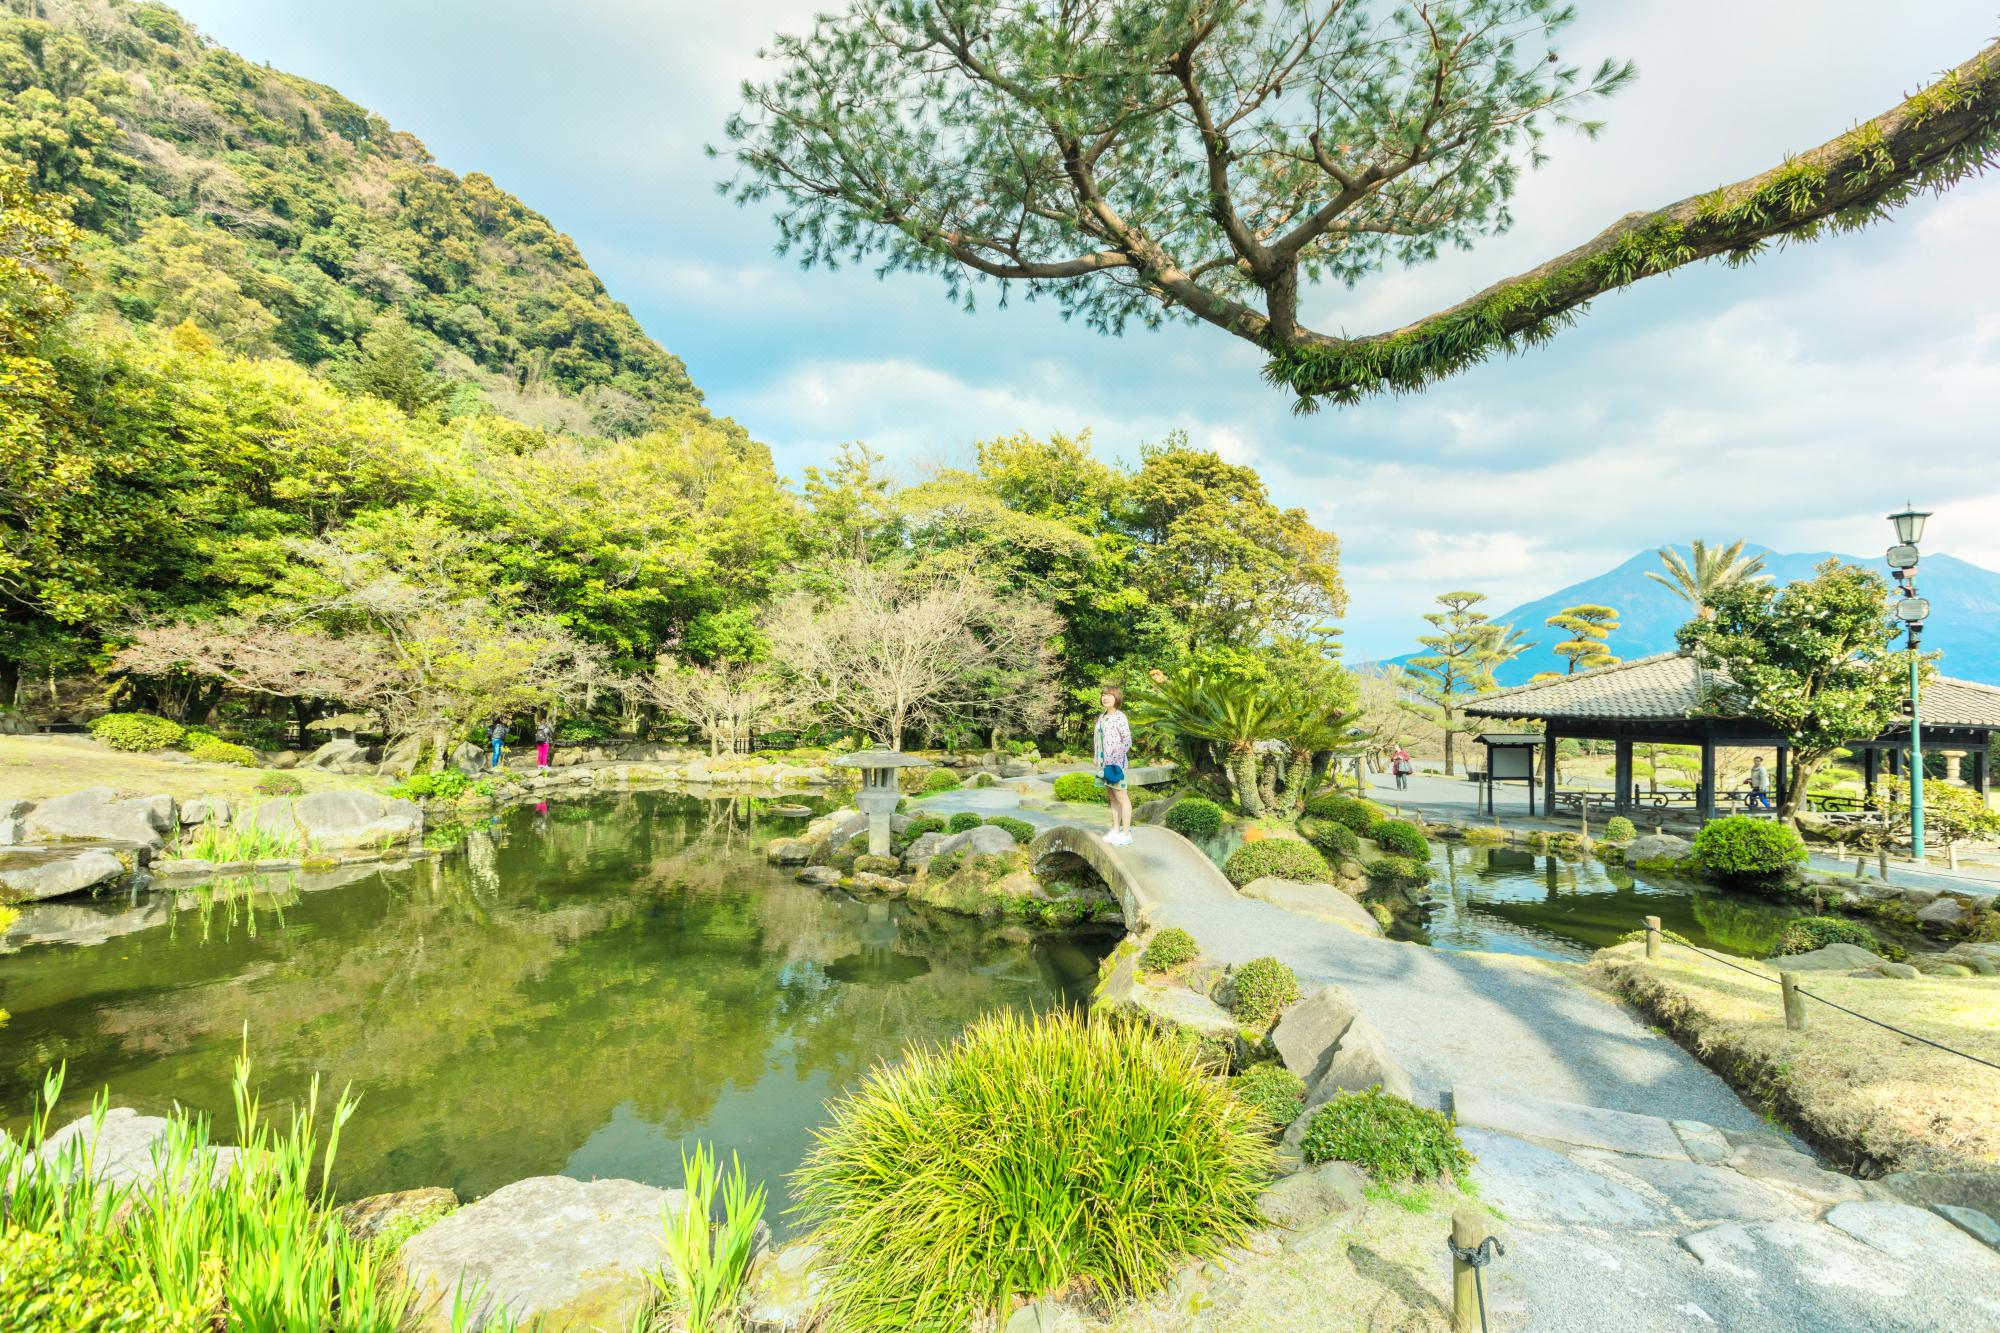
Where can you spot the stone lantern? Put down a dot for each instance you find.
(878, 795)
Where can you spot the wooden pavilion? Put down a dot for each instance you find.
(1667, 699)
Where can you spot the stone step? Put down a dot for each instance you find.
(1567, 1123)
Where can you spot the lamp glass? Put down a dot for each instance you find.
(1913, 610)
(1909, 525)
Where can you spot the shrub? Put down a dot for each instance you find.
(982, 780)
(962, 821)
(916, 828)
(1260, 988)
(1287, 858)
(1168, 950)
(1742, 848)
(1803, 934)
(1398, 871)
(1021, 829)
(578, 731)
(1352, 811)
(940, 779)
(1390, 1137)
(213, 751)
(57, 1287)
(1399, 837)
(1079, 787)
(1619, 829)
(1194, 817)
(1032, 1155)
(137, 732)
(277, 784)
(1274, 1091)
(447, 784)
(1334, 840)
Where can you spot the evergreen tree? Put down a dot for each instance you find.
(1458, 662)
(1589, 627)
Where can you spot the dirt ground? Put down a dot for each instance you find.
(37, 767)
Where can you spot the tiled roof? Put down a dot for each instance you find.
(1672, 686)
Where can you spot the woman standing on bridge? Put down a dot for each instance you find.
(1114, 746)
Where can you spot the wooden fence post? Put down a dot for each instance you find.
(1795, 1003)
(1652, 937)
(1465, 1234)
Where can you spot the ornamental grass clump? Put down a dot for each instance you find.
(1033, 1155)
(1394, 1139)
(1194, 817)
(1260, 989)
(1286, 858)
(709, 1242)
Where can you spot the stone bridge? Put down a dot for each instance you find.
(1159, 868)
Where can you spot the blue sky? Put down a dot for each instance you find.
(1794, 402)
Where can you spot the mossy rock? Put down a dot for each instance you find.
(876, 865)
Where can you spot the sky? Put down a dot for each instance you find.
(1793, 402)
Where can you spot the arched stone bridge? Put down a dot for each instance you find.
(1156, 869)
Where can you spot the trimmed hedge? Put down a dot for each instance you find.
(213, 751)
(1334, 840)
(1260, 989)
(1021, 829)
(940, 779)
(1168, 950)
(1619, 829)
(1399, 837)
(1079, 787)
(1394, 1139)
(1738, 847)
(278, 784)
(1803, 934)
(1352, 811)
(1287, 858)
(916, 828)
(137, 732)
(1398, 871)
(962, 821)
(1275, 1091)
(1194, 817)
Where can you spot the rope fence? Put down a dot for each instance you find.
(1793, 993)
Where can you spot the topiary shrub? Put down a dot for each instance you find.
(137, 732)
(1021, 829)
(982, 780)
(212, 751)
(1079, 787)
(278, 784)
(1333, 840)
(1803, 934)
(1260, 988)
(916, 828)
(1169, 949)
(1738, 847)
(1398, 871)
(1194, 817)
(1399, 837)
(1287, 858)
(1032, 1155)
(940, 779)
(962, 821)
(1352, 811)
(1274, 1091)
(1390, 1137)
(1619, 829)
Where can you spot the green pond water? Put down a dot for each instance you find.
(1505, 900)
(582, 990)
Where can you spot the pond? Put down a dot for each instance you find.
(1506, 900)
(581, 990)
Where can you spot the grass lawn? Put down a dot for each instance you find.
(34, 768)
(1873, 1099)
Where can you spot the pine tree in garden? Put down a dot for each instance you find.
(1458, 661)
(1589, 626)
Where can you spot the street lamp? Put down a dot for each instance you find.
(1912, 610)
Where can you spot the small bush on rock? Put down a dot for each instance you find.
(447, 784)
(1030, 1156)
(1392, 1138)
(278, 784)
(1399, 871)
(137, 732)
(1399, 837)
(1287, 858)
(1275, 1091)
(1260, 988)
(1169, 949)
(1352, 811)
(1021, 829)
(1194, 817)
(1619, 829)
(1741, 848)
(962, 821)
(916, 828)
(1803, 934)
(940, 779)
(1333, 840)
(212, 751)
(1079, 787)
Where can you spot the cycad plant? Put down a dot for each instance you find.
(1230, 711)
(1706, 573)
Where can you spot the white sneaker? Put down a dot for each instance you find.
(1121, 839)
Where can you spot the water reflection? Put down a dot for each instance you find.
(586, 988)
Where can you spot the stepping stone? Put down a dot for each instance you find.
(1777, 1255)
(1530, 1183)
(1906, 1232)
(1702, 1193)
(1796, 1171)
(1704, 1142)
(1566, 1122)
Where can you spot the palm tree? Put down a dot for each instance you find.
(1505, 643)
(1711, 572)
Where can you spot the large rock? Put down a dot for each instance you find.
(788, 851)
(571, 1253)
(1902, 1231)
(1309, 1033)
(378, 1214)
(27, 877)
(785, 1289)
(1305, 1197)
(405, 756)
(201, 809)
(1944, 912)
(1362, 1062)
(1829, 958)
(13, 822)
(98, 814)
(342, 754)
(1657, 847)
(1317, 900)
(470, 759)
(338, 820)
(125, 1149)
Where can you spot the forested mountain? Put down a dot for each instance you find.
(281, 218)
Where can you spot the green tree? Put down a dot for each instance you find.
(1233, 711)
(1589, 627)
(1706, 572)
(1457, 662)
(1815, 660)
(1212, 161)
(394, 365)
(849, 506)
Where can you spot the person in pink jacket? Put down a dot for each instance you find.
(1114, 747)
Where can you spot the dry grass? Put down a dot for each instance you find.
(34, 768)
(1876, 1101)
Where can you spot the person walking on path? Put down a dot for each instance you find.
(1113, 748)
(545, 734)
(1759, 784)
(496, 732)
(1400, 765)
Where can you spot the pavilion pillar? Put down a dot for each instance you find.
(1549, 772)
(1621, 775)
(1706, 802)
(1871, 759)
(1784, 773)
(1895, 761)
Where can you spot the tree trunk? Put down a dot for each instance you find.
(1267, 782)
(1243, 768)
(1298, 777)
(1795, 787)
(10, 682)
(1448, 733)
